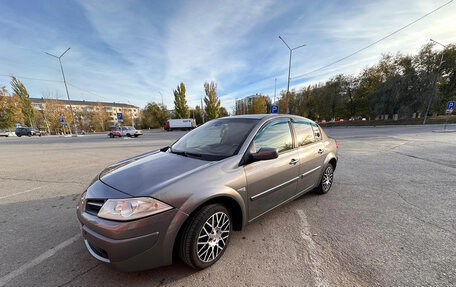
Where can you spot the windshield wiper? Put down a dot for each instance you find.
(184, 153)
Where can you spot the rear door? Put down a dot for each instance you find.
(271, 182)
(310, 149)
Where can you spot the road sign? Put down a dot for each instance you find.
(65, 123)
(274, 109)
(62, 120)
(450, 107)
(119, 117)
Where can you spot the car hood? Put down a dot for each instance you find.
(147, 173)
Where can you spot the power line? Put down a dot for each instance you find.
(34, 79)
(372, 44)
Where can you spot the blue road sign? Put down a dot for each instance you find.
(61, 120)
(65, 123)
(274, 109)
(450, 107)
(119, 117)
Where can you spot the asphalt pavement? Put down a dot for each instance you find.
(389, 219)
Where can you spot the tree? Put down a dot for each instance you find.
(100, 120)
(53, 110)
(10, 109)
(259, 105)
(211, 100)
(154, 115)
(180, 103)
(27, 109)
(223, 112)
(198, 115)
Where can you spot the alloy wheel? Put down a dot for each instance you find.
(327, 178)
(213, 237)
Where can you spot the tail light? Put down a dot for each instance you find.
(337, 145)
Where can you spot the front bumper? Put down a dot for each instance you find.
(135, 245)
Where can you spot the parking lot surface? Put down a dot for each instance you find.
(389, 219)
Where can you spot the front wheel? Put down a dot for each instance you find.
(111, 135)
(205, 236)
(326, 180)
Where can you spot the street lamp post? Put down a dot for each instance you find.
(66, 88)
(434, 83)
(289, 69)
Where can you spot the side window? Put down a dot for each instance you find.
(304, 132)
(317, 132)
(275, 134)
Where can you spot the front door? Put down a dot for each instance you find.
(271, 182)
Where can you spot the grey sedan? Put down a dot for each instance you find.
(186, 199)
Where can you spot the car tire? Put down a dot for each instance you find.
(136, 136)
(111, 135)
(326, 180)
(199, 247)
(29, 134)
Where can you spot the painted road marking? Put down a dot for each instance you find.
(5, 279)
(17, 193)
(315, 264)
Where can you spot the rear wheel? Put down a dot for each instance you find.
(326, 180)
(136, 136)
(111, 135)
(205, 236)
(29, 134)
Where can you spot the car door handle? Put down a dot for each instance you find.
(320, 151)
(293, 161)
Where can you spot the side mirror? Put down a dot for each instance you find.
(265, 153)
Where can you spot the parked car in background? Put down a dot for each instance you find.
(186, 199)
(24, 131)
(4, 133)
(125, 131)
(179, 124)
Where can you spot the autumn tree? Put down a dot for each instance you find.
(101, 117)
(10, 109)
(27, 109)
(259, 105)
(180, 103)
(53, 110)
(211, 100)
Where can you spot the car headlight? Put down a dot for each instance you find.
(131, 208)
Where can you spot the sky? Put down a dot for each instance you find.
(139, 51)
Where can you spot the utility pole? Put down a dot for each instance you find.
(435, 81)
(289, 69)
(66, 88)
(275, 88)
(161, 96)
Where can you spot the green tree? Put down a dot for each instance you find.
(198, 115)
(27, 109)
(211, 100)
(223, 112)
(154, 115)
(180, 103)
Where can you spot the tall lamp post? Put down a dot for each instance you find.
(289, 68)
(66, 88)
(434, 83)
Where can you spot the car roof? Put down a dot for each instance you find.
(267, 116)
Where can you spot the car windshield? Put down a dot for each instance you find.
(215, 140)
